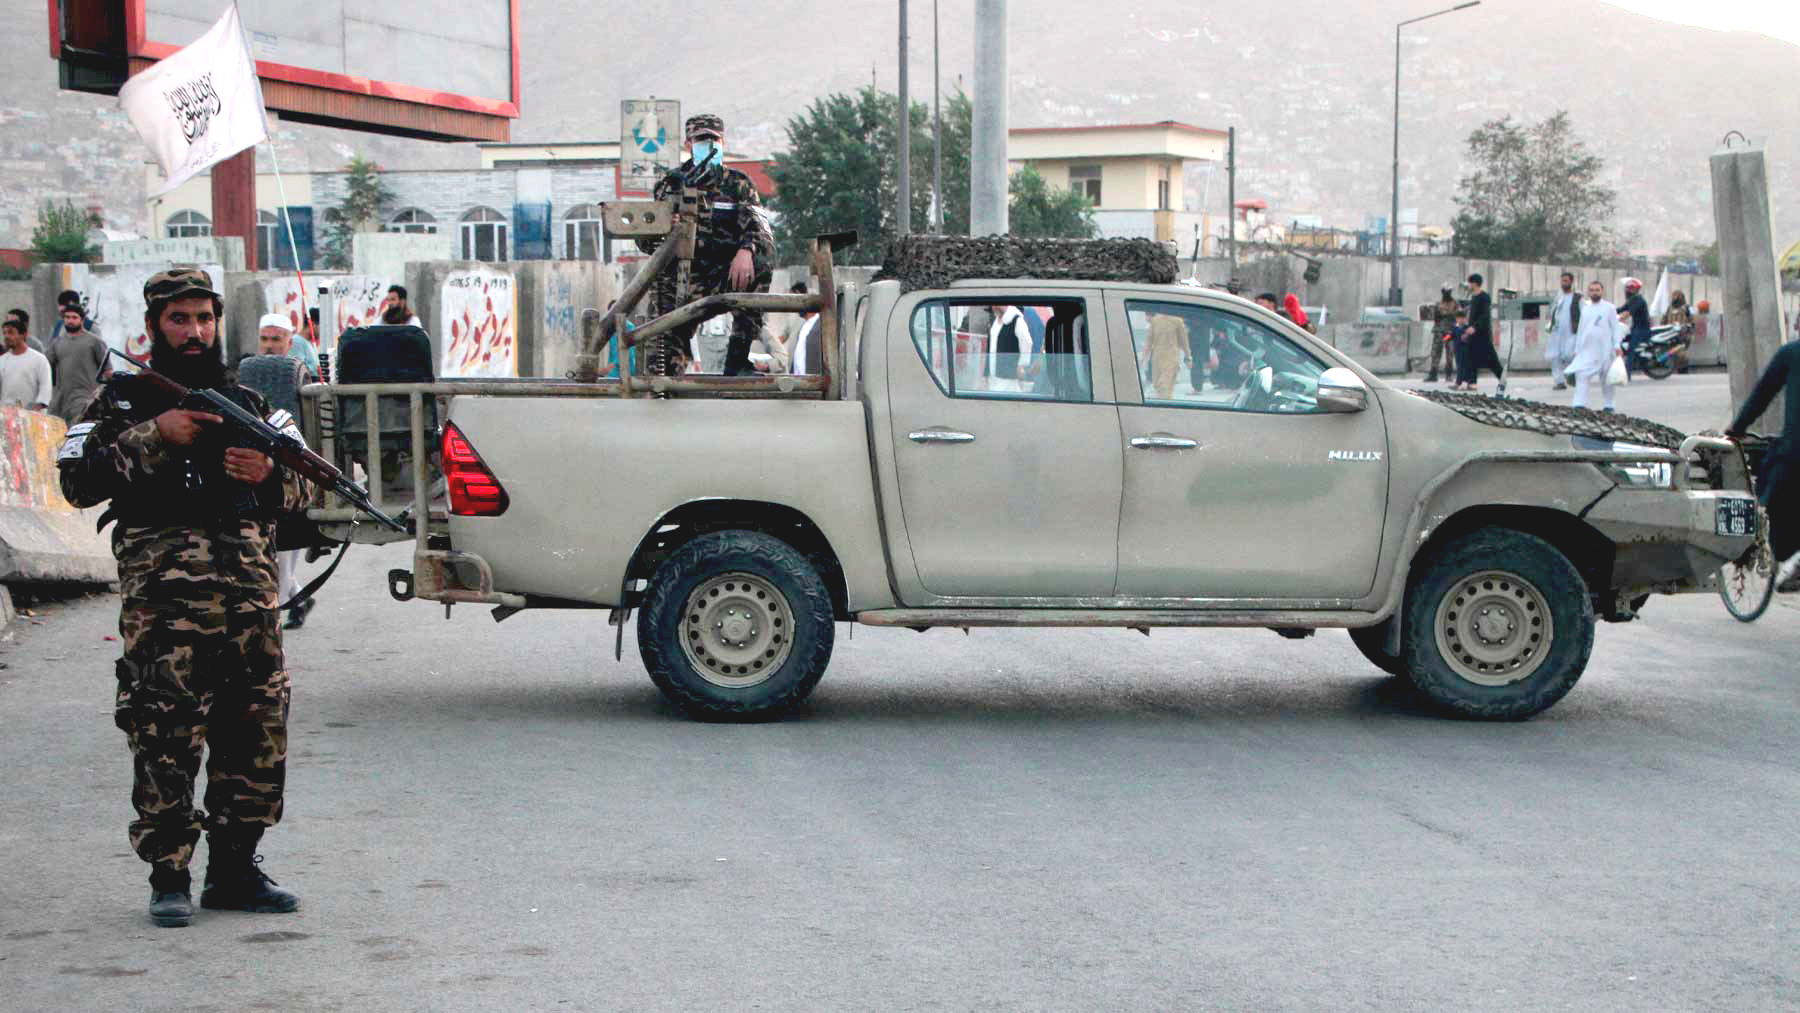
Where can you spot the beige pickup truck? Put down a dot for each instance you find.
(1162, 456)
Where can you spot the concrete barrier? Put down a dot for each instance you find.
(42, 537)
(1378, 348)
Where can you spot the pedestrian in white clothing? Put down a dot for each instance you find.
(1565, 320)
(24, 372)
(1596, 345)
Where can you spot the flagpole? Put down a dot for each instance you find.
(287, 216)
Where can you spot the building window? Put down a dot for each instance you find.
(1085, 180)
(188, 224)
(582, 234)
(412, 220)
(484, 235)
(268, 232)
(1162, 195)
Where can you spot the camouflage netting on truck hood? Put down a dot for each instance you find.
(936, 261)
(1538, 417)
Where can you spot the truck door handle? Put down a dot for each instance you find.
(1163, 441)
(940, 436)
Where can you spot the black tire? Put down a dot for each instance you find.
(1659, 372)
(786, 610)
(278, 378)
(1527, 595)
(1372, 642)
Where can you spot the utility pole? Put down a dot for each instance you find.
(987, 142)
(1394, 294)
(937, 131)
(1231, 197)
(903, 123)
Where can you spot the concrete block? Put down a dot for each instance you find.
(43, 537)
(386, 254)
(225, 251)
(1752, 297)
(1379, 348)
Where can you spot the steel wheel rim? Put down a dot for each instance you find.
(736, 630)
(1494, 628)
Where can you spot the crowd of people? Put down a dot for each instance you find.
(60, 375)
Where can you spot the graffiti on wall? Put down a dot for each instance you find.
(282, 295)
(477, 321)
(355, 302)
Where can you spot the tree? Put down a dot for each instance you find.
(1038, 209)
(365, 195)
(61, 235)
(840, 172)
(1705, 254)
(1534, 194)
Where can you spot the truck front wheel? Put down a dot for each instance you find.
(736, 626)
(1499, 626)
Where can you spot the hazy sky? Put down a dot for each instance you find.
(1780, 18)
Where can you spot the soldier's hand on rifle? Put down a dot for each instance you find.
(743, 271)
(247, 466)
(181, 426)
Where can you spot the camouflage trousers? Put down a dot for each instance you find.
(204, 674)
(713, 279)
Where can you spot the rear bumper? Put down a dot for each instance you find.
(1667, 541)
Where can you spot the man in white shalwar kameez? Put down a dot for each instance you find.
(1596, 344)
(1565, 318)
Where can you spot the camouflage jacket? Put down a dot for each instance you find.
(185, 532)
(731, 215)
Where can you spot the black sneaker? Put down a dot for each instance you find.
(297, 614)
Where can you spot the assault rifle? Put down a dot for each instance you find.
(255, 434)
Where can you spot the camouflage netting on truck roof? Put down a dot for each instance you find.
(936, 261)
(1538, 417)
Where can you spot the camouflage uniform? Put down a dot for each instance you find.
(202, 664)
(1443, 319)
(730, 220)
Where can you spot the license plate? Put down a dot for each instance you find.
(1736, 517)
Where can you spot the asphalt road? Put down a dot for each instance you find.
(502, 817)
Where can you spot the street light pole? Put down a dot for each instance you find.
(903, 214)
(937, 131)
(1394, 218)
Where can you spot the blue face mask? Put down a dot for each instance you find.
(706, 152)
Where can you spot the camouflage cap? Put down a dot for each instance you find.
(704, 123)
(180, 281)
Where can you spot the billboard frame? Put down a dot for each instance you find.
(308, 94)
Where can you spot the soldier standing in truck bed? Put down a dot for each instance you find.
(733, 246)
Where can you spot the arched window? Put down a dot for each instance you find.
(186, 224)
(484, 235)
(412, 220)
(268, 239)
(582, 235)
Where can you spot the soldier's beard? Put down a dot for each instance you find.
(199, 372)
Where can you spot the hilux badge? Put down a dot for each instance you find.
(1353, 455)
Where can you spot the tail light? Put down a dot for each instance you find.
(474, 491)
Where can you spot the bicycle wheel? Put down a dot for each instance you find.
(1748, 585)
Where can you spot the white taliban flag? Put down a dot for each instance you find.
(1659, 303)
(200, 105)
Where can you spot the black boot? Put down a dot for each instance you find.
(171, 905)
(235, 880)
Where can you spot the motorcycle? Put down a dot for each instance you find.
(1664, 351)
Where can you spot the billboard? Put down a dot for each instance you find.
(650, 138)
(405, 67)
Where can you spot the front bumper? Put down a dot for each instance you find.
(1669, 541)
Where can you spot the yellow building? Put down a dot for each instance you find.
(1132, 172)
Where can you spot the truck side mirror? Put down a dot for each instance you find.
(1341, 390)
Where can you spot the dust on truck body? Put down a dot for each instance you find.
(926, 479)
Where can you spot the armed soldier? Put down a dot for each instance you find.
(733, 247)
(195, 541)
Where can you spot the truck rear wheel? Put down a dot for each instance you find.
(736, 626)
(1499, 626)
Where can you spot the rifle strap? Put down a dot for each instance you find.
(319, 581)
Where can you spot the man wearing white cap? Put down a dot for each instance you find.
(276, 336)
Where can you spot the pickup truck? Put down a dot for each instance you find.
(1166, 456)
